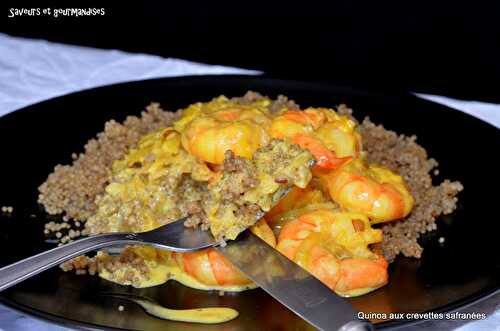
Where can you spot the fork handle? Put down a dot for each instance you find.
(24, 269)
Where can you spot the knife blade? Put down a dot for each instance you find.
(291, 285)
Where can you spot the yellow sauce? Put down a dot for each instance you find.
(212, 315)
(160, 271)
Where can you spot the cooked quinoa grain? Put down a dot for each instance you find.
(71, 189)
(403, 155)
(275, 106)
(102, 261)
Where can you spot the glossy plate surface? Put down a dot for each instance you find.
(35, 139)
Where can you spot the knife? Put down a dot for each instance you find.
(291, 285)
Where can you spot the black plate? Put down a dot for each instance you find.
(35, 139)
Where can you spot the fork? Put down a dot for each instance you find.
(173, 237)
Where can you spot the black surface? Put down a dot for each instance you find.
(440, 47)
(35, 139)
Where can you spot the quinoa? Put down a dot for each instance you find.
(241, 177)
(276, 105)
(190, 202)
(407, 158)
(128, 258)
(71, 189)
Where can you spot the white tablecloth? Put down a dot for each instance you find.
(36, 70)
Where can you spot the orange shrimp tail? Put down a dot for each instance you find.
(211, 268)
(224, 272)
(325, 158)
(324, 266)
(361, 273)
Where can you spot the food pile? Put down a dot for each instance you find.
(360, 194)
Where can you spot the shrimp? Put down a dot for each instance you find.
(369, 189)
(325, 157)
(208, 134)
(331, 138)
(211, 268)
(333, 246)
